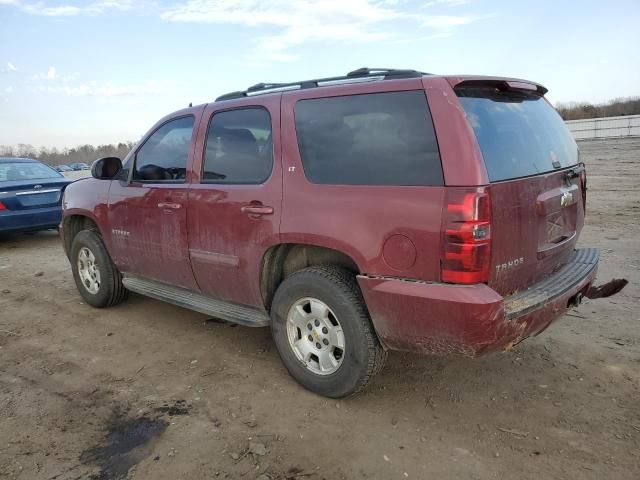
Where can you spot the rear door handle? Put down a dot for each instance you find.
(257, 210)
(169, 205)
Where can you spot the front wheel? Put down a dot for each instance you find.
(97, 278)
(323, 332)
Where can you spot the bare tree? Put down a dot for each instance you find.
(613, 108)
(81, 153)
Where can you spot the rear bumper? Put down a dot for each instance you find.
(438, 319)
(32, 219)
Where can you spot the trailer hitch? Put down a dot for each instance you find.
(607, 289)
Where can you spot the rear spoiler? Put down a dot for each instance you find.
(504, 84)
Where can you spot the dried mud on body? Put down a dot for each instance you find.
(147, 390)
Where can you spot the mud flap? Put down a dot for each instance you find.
(608, 289)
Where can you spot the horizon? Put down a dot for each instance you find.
(69, 75)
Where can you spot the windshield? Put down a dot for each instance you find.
(519, 134)
(16, 171)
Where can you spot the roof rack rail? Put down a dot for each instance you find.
(359, 75)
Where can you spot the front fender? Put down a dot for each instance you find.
(87, 198)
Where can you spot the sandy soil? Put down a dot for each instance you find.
(151, 391)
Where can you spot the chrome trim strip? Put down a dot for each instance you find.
(273, 90)
(346, 81)
(214, 258)
(33, 192)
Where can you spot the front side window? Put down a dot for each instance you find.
(372, 139)
(163, 157)
(239, 147)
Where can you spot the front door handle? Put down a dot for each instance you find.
(257, 209)
(169, 205)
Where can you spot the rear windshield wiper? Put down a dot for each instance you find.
(574, 172)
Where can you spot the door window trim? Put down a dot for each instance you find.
(206, 136)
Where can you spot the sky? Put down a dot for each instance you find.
(103, 71)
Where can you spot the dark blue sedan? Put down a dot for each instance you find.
(30, 195)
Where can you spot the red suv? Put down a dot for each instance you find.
(382, 210)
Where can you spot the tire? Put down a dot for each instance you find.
(88, 248)
(294, 312)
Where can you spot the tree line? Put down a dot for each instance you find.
(54, 156)
(613, 108)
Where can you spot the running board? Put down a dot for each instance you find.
(231, 312)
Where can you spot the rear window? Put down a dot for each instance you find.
(370, 139)
(519, 134)
(10, 172)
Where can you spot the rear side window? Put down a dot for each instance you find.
(239, 147)
(370, 139)
(163, 157)
(519, 134)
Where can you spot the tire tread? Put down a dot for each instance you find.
(117, 293)
(346, 282)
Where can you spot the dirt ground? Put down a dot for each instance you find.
(147, 390)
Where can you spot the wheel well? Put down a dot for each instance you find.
(75, 224)
(282, 260)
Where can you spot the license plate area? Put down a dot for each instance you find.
(38, 198)
(557, 211)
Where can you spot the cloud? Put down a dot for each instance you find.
(290, 23)
(10, 68)
(95, 89)
(302, 21)
(81, 8)
(69, 86)
(445, 21)
(70, 78)
(447, 3)
(50, 74)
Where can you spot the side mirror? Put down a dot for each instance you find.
(106, 168)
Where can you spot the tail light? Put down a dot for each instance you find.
(2, 207)
(583, 185)
(466, 246)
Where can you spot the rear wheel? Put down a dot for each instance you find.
(323, 333)
(97, 278)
